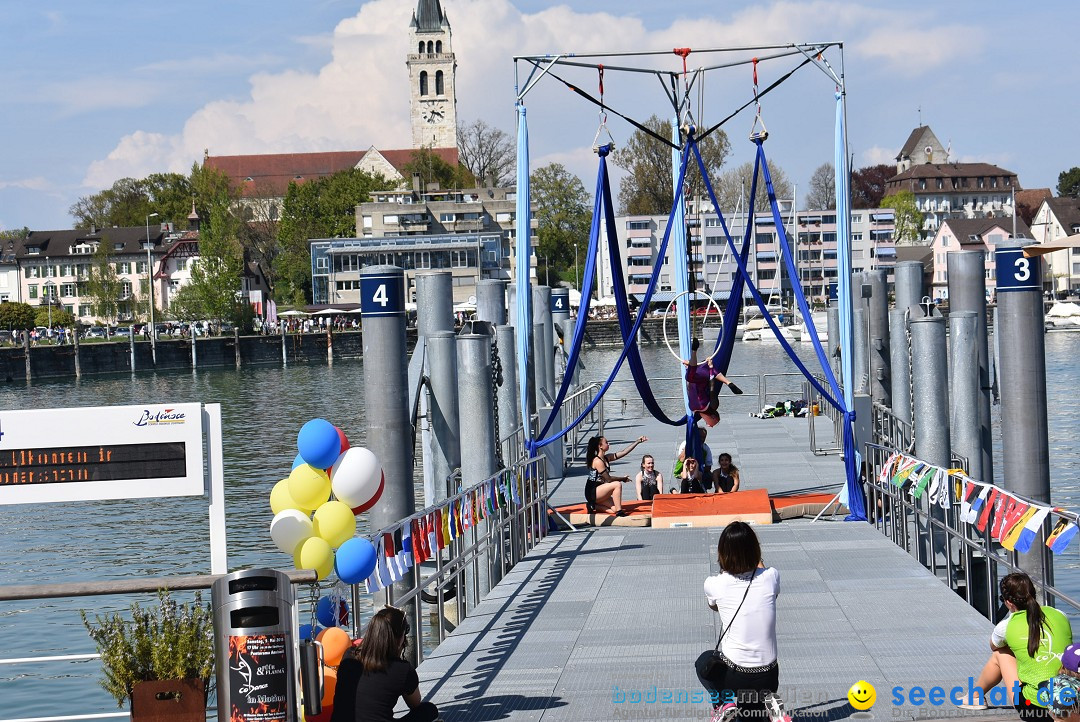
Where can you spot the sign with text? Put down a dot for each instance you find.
(102, 452)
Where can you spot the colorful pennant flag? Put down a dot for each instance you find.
(1061, 536)
(1013, 535)
(1031, 530)
(984, 514)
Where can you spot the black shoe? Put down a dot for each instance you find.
(621, 512)
(695, 344)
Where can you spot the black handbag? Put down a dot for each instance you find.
(715, 657)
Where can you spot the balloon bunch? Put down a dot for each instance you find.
(336, 482)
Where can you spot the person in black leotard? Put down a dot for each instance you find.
(603, 492)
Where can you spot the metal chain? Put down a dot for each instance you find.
(314, 601)
(496, 382)
(911, 380)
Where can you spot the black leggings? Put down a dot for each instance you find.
(423, 712)
(750, 688)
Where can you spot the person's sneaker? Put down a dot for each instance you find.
(725, 712)
(774, 707)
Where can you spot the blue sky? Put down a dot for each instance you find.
(98, 91)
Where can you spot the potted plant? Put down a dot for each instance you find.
(161, 659)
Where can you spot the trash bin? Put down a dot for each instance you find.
(255, 641)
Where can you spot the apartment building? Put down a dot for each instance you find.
(969, 234)
(469, 232)
(812, 237)
(1056, 219)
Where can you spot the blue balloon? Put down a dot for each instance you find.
(307, 632)
(355, 560)
(319, 443)
(299, 460)
(325, 612)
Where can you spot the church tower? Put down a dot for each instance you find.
(431, 63)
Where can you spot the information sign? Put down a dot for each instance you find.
(382, 295)
(1017, 272)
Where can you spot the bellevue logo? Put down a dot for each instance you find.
(165, 416)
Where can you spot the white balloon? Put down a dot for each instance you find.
(290, 528)
(355, 476)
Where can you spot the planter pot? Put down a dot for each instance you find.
(169, 700)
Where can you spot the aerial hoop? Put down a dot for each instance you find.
(719, 314)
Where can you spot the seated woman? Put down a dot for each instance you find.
(692, 482)
(649, 481)
(726, 476)
(744, 593)
(702, 388)
(374, 675)
(602, 490)
(1025, 649)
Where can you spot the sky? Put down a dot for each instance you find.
(105, 90)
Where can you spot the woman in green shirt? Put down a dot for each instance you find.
(1026, 648)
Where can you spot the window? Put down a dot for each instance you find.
(32, 272)
(84, 311)
(856, 217)
(504, 217)
(67, 270)
(439, 89)
(765, 237)
(712, 222)
(712, 258)
(459, 259)
(140, 268)
(423, 259)
(123, 268)
(714, 240)
(67, 290)
(32, 291)
(423, 82)
(438, 46)
(447, 217)
(348, 285)
(181, 264)
(390, 220)
(322, 263)
(125, 289)
(639, 261)
(766, 274)
(118, 246)
(637, 225)
(828, 219)
(32, 250)
(366, 221)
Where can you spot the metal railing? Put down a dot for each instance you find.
(971, 562)
(487, 550)
(592, 425)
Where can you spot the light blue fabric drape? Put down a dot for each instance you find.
(523, 237)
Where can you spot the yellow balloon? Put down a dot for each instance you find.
(315, 554)
(309, 487)
(335, 522)
(281, 499)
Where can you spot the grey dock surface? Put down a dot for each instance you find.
(595, 613)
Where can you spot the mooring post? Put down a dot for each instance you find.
(860, 356)
(908, 284)
(544, 342)
(967, 292)
(442, 369)
(476, 402)
(131, 348)
(899, 366)
(329, 343)
(531, 372)
(1025, 438)
(878, 312)
(194, 355)
(78, 359)
(386, 405)
(930, 377)
(26, 353)
(236, 345)
(509, 413)
(434, 314)
(964, 388)
(540, 388)
(832, 323)
(491, 301)
(284, 350)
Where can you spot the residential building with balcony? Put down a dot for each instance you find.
(469, 232)
(969, 234)
(812, 236)
(1058, 218)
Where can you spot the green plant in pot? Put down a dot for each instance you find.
(161, 659)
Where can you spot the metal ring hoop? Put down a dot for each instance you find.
(712, 304)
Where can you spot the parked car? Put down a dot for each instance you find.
(123, 331)
(95, 332)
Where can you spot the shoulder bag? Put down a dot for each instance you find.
(716, 658)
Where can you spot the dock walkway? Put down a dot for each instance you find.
(593, 614)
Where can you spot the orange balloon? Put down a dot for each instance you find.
(329, 687)
(335, 642)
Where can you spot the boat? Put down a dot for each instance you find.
(1063, 316)
(821, 325)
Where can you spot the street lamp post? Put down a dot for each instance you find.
(150, 287)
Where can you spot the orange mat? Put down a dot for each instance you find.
(699, 510)
(638, 514)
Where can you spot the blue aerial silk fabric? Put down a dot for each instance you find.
(523, 236)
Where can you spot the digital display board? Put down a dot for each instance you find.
(104, 452)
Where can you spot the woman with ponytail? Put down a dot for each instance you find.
(1025, 649)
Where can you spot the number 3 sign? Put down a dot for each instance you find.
(382, 295)
(1017, 272)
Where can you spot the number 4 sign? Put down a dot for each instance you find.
(382, 294)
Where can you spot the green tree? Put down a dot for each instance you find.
(822, 195)
(1069, 183)
(426, 164)
(14, 234)
(130, 200)
(563, 217)
(217, 274)
(909, 221)
(647, 188)
(734, 186)
(16, 316)
(60, 316)
(103, 286)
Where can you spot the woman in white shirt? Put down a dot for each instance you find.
(744, 593)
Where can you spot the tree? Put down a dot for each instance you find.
(14, 234)
(908, 219)
(130, 200)
(647, 188)
(1069, 183)
(426, 164)
(16, 316)
(103, 286)
(487, 153)
(563, 216)
(734, 186)
(868, 185)
(214, 290)
(60, 316)
(822, 195)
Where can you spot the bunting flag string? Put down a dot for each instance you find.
(1013, 522)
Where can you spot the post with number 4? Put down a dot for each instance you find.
(1019, 338)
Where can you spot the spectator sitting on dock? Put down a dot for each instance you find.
(649, 481)
(374, 675)
(744, 593)
(602, 490)
(1026, 648)
(1068, 679)
(725, 478)
(692, 481)
(706, 458)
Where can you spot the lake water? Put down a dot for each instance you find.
(262, 411)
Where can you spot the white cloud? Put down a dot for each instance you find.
(37, 183)
(359, 98)
(876, 155)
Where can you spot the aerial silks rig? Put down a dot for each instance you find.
(679, 86)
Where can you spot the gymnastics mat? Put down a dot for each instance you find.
(704, 510)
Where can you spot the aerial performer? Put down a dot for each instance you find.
(703, 384)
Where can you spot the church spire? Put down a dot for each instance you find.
(429, 17)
